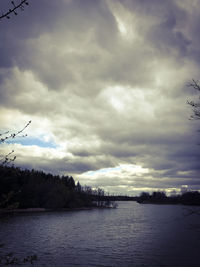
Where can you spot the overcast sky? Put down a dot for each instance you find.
(104, 83)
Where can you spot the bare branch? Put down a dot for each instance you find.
(7, 159)
(194, 84)
(195, 105)
(14, 9)
(13, 135)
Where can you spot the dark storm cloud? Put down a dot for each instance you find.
(165, 34)
(62, 23)
(176, 28)
(15, 32)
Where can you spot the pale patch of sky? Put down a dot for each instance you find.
(28, 141)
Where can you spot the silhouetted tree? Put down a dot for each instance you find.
(36, 189)
(190, 198)
(187, 198)
(78, 187)
(158, 196)
(144, 196)
(100, 197)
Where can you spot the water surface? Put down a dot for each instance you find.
(131, 235)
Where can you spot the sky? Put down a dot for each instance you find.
(105, 85)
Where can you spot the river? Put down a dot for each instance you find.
(132, 235)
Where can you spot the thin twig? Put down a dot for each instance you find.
(13, 10)
(13, 135)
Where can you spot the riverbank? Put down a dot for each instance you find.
(169, 203)
(32, 210)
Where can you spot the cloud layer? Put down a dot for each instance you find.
(104, 83)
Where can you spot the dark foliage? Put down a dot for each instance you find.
(188, 198)
(36, 189)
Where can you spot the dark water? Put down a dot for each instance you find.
(131, 235)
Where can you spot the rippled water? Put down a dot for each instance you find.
(131, 235)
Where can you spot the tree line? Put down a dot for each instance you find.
(187, 198)
(21, 189)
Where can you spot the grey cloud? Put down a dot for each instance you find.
(165, 37)
(65, 24)
(107, 99)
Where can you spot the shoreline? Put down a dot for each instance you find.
(168, 203)
(32, 210)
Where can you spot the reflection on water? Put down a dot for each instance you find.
(131, 235)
